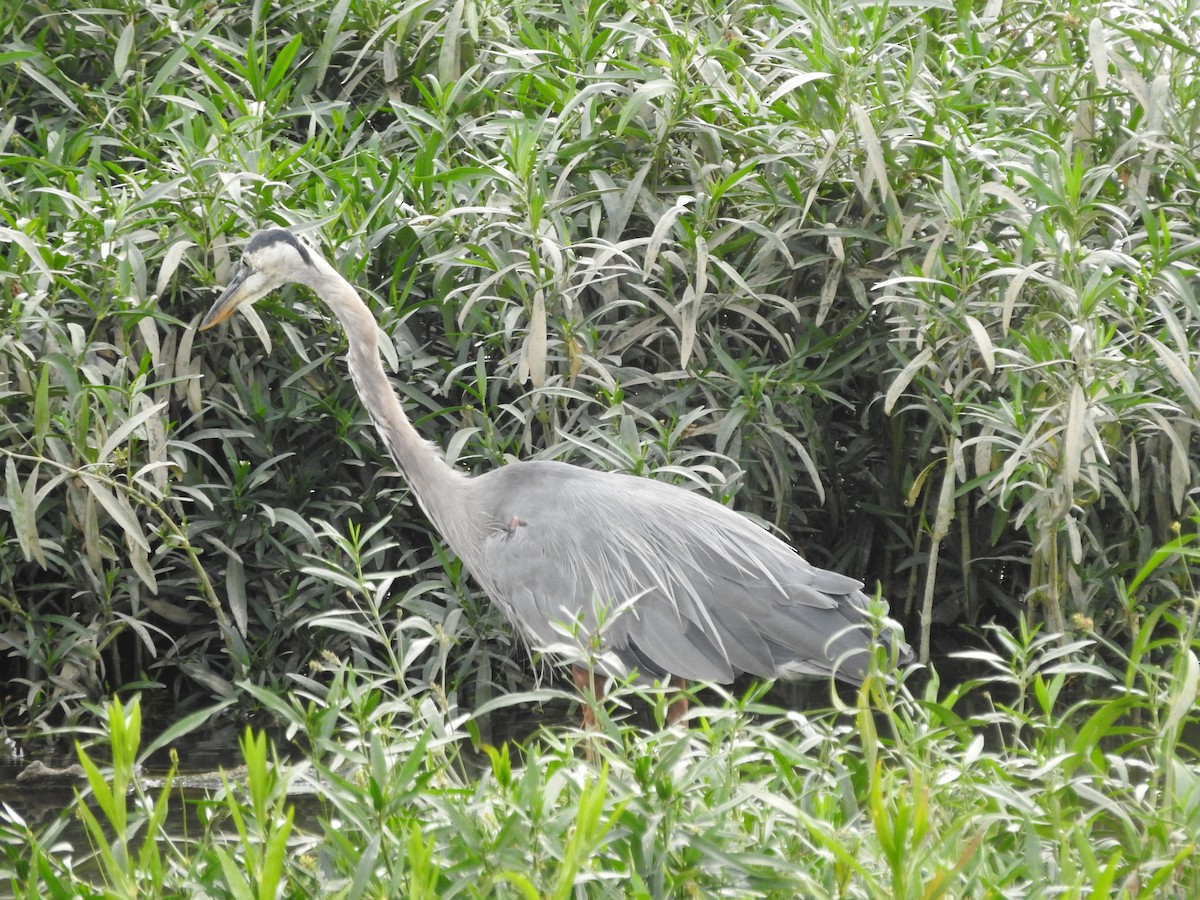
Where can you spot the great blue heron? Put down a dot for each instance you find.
(701, 592)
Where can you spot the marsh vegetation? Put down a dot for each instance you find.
(915, 284)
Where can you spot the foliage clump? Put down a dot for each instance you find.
(916, 284)
(908, 792)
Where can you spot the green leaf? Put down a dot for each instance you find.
(235, 592)
(121, 56)
(283, 61)
(41, 410)
(901, 382)
(128, 427)
(651, 90)
(183, 727)
(877, 170)
(26, 243)
(791, 84)
(983, 341)
(23, 508)
(1183, 693)
(120, 510)
(1181, 371)
(238, 886)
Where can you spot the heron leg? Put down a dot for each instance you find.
(679, 706)
(591, 689)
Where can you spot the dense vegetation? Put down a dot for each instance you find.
(915, 284)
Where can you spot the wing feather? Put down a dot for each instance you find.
(670, 581)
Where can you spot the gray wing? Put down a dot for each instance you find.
(691, 588)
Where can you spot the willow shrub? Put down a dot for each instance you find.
(909, 791)
(913, 282)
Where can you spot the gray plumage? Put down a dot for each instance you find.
(693, 590)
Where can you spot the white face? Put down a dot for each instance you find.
(272, 258)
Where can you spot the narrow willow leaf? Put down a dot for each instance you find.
(805, 458)
(1074, 539)
(235, 881)
(728, 438)
(47, 84)
(283, 61)
(117, 507)
(41, 410)
(260, 329)
(1180, 466)
(689, 311)
(271, 882)
(1166, 307)
(1072, 448)
(92, 545)
(833, 277)
(1014, 291)
(165, 69)
(170, 263)
(523, 699)
(789, 85)
(140, 560)
(617, 214)
(651, 90)
(690, 306)
(983, 450)
(1180, 371)
(659, 234)
(876, 166)
(187, 370)
(10, 57)
(983, 341)
(1177, 434)
(1135, 475)
(235, 592)
(1098, 49)
(1003, 192)
(25, 242)
(757, 318)
(217, 685)
(118, 437)
(449, 57)
(908, 279)
(149, 331)
(585, 98)
(533, 362)
(183, 727)
(121, 56)
(1160, 101)
(158, 469)
(900, 384)
(1184, 693)
(732, 275)
(24, 512)
(701, 275)
(332, 27)
(294, 520)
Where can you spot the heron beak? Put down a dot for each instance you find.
(231, 298)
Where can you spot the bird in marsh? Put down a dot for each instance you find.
(647, 575)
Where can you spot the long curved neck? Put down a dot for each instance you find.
(438, 486)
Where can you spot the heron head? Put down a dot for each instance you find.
(272, 258)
